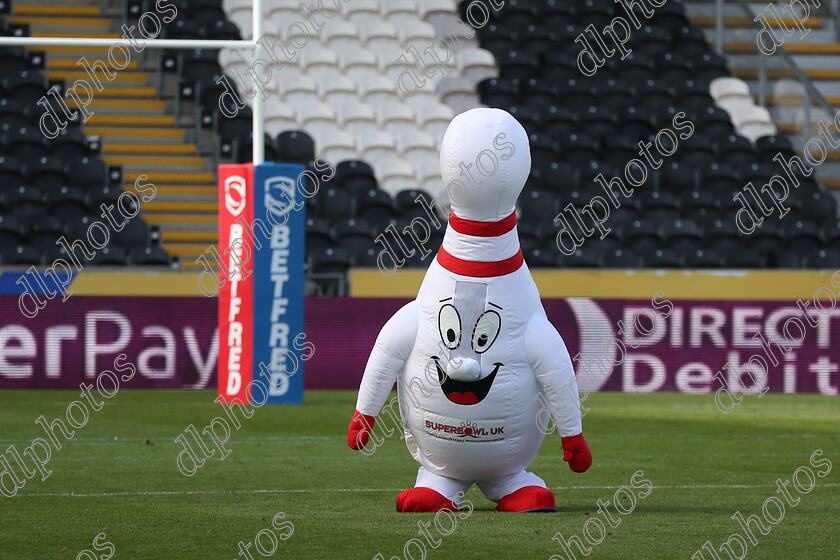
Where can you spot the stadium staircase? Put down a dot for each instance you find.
(817, 54)
(136, 126)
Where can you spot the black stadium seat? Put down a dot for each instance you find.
(43, 231)
(20, 255)
(23, 201)
(10, 231)
(148, 256)
(295, 147)
(66, 202)
(110, 256)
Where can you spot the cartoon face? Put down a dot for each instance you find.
(468, 326)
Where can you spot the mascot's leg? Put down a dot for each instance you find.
(520, 491)
(432, 493)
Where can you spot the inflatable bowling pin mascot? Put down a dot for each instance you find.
(473, 352)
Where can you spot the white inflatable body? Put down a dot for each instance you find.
(472, 353)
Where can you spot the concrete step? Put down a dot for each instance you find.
(110, 148)
(190, 264)
(208, 237)
(122, 106)
(188, 251)
(139, 78)
(741, 21)
(815, 62)
(182, 191)
(812, 74)
(709, 9)
(78, 34)
(72, 63)
(126, 91)
(57, 9)
(792, 86)
(130, 133)
(180, 177)
(183, 228)
(64, 23)
(745, 35)
(155, 162)
(99, 119)
(166, 218)
(183, 206)
(791, 48)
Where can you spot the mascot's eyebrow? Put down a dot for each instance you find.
(447, 299)
(494, 305)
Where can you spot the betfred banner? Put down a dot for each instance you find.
(262, 231)
(172, 342)
(688, 346)
(634, 346)
(236, 291)
(278, 353)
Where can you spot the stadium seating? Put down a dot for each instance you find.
(54, 187)
(343, 98)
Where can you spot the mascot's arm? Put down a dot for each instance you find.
(386, 361)
(555, 373)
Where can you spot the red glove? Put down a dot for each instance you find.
(577, 453)
(359, 431)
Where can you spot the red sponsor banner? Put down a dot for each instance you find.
(236, 295)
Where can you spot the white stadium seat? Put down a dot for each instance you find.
(378, 91)
(376, 146)
(358, 12)
(392, 66)
(422, 96)
(458, 93)
(419, 149)
(278, 118)
(397, 12)
(318, 62)
(379, 36)
(476, 64)
(337, 147)
(434, 119)
(339, 91)
(317, 118)
(283, 12)
(358, 119)
(280, 77)
(244, 21)
(395, 175)
(359, 64)
(724, 87)
(753, 122)
(396, 119)
(416, 32)
(340, 36)
(300, 92)
(434, 186)
(432, 7)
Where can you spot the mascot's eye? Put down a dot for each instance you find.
(450, 326)
(486, 330)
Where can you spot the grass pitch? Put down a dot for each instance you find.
(118, 476)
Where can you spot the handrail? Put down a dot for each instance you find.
(811, 92)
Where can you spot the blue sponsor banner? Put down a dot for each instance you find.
(278, 283)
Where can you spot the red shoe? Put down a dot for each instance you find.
(422, 500)
(528, 498)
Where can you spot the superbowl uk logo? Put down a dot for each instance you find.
(458, 429)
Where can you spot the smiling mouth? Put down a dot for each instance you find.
(465, 392)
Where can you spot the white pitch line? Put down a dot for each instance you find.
(340, 490)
